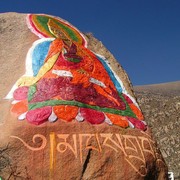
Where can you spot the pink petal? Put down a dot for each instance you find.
(92, 116)
(21, 93)
(39, 115)
(137, 123)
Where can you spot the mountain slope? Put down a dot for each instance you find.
(160, 104)
(163, 88)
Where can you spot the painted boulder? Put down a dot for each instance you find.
(68, 107)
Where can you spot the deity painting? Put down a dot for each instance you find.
(66, 81)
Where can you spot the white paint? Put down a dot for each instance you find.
(62, 73)
(131, 124)
(52, 117)
(79, 117)
(22, 116)
(10, 93)
(15, 101)
(144, 123)
(107, 120)
(95, 81)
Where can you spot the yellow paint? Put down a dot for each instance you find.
(28, 81)
(52, 154)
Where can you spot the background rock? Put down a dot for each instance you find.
(16, 39)
(160, 104)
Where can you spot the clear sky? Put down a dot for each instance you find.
(143, 35)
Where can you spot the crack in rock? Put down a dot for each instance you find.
(86, 162)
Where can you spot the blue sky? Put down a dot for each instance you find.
(143, 35)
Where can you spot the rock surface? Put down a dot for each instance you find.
(64, 150)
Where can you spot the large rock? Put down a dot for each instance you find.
(64, 150)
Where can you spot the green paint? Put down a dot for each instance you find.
(127, 105)
(43, 21)
(32, 90)
(127, 112)
(73, 60)
(67, 29)
(31, 106)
